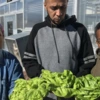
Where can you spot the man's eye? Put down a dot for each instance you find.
(63, 7)
(54, 8)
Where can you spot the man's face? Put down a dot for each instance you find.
(98, 38)
(56, 9)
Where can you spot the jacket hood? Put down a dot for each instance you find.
(67, 20)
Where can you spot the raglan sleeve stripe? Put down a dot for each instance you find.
(89, 59)
(29, 56)
(32, 67)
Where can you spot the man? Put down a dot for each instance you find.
(10, 70)
(58, 43)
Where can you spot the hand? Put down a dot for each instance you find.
(25, 75)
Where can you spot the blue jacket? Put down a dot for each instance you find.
(10, 70)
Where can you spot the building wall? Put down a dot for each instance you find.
(33, 12)
(89, 15)
(23, 14)
(11, 16)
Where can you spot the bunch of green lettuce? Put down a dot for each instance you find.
(58, 79)
(33, 89)
(87, 87)
(62, 84)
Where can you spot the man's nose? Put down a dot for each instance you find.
(58, 12)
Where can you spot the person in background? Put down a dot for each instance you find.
(16, 53)
(57, 44)
(10, 70)
(96, 69)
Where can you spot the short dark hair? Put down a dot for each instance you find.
(97, 27)
(46, 0)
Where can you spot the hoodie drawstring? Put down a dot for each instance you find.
(57, 47)
(55, 44)
(71, 44)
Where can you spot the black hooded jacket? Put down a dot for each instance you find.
(59, 47)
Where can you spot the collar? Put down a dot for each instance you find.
(67, 20)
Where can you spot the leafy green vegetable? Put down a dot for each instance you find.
(62, 84)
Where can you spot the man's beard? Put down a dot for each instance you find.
(52, 21)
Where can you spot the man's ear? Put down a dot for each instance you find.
(45, 5)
